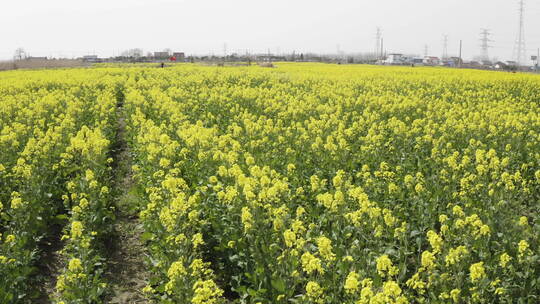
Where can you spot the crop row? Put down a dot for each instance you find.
(54, 171)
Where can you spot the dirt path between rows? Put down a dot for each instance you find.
(50, 266)
(126, 271)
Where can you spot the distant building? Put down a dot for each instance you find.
(487, 63)
(417, 61)
(500, 65)
(90, 58)
(452, 62)
(273, 58)
(36, 58)
(394, 59)
(179, 56)
(431, 60)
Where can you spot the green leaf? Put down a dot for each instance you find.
(147, 236)
(279, 284)
(61, 217)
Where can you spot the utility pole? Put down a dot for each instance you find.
(382, 48)
(484, 46)
(519, 48)
(378, 47)
(537, 60)
(460, 49)
(426, 50)
(445, 47)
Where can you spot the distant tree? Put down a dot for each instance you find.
(137, 53)
(20, 54)
(301, 56)
(133, 53)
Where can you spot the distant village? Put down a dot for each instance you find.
(389, 59)
(22, 60)
(400, 59)
(134, 56)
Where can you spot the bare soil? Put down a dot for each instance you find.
(50, 265)
(126, 269)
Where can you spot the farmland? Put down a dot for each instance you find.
(304, 183)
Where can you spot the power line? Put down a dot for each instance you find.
(484, 46)
(520, 49)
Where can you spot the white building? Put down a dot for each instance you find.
(394, 59)
(431, 60)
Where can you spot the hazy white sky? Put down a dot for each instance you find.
(106, 27)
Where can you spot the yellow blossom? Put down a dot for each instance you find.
(325, 248)
(477, 271)
(313, 290)
(504, 259)
(385, 267)
(311, 264)
(351, 283)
